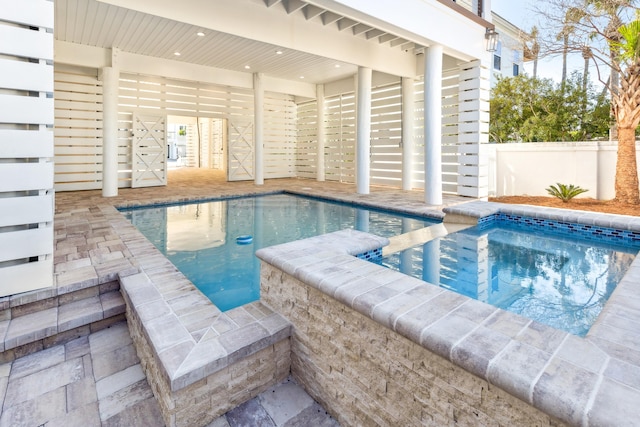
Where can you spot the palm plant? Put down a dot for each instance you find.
(565, 192)
(625, 103)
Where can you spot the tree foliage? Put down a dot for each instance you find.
(611, 31)
(530, 109)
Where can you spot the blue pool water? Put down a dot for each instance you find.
(201, 239)
(557, 280)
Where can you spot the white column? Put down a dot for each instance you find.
(433, 125)
(363, 129)
(321, 132)
(258, 125)
(408, 133)
(110, 77)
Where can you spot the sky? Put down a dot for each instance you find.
(521, 14)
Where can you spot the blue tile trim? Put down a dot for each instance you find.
(371, 255)
(588, 232)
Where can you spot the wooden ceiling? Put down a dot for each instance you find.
(92, 23)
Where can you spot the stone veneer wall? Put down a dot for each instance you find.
(200, 403)
(366, 374)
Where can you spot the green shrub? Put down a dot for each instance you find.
(565, 192)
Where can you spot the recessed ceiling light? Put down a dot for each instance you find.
(176, 53)
(278, 52)
(200, 34)
(337, 65)
(302, 77)
(247, 67)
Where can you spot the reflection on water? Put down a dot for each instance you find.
(200, 238)
(561, 282)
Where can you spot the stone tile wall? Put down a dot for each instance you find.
(203, 401)
(366, 374)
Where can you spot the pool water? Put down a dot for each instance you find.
(560, 281)
(201, 239)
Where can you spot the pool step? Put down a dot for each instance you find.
(28, 325)
(421, 236)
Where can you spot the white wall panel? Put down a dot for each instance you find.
(19, 278)
(26, 210)
(26, 76)
(26, 146)
(37, 13)
(25, 243)
(25, 109)
(26, 43)
(26, 176)
(25, 143)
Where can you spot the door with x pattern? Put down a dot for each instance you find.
(149, 157)
(241, 151)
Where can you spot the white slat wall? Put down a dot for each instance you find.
(78, 129)
(341, 138)
(307, 140)
(26, 145)
(449, 133)
(473, 109)
(450, 142)
(279, 136)
(386, 135)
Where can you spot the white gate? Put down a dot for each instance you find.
(149, 157)
(241, 154)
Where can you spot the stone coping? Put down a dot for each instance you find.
(593, 380)
(189, 336)
(477, 209)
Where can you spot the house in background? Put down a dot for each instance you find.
(508, 59)
(371, 93)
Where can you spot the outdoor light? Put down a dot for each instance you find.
(491, 38)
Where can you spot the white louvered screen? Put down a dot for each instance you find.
(307, 140)
(26, 146)
(78, 129)
(341, 138)
(386, 135)
(449, 133)
(279, 136)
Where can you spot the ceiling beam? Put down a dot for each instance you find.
(373, 33)
(387, 38)
(330, 17)
(346, 23)
(292, 6)
(312, 11)
(360, 28)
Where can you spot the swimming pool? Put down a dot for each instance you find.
(562, 280)
(213, 243)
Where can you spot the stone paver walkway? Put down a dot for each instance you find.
(97, 380)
